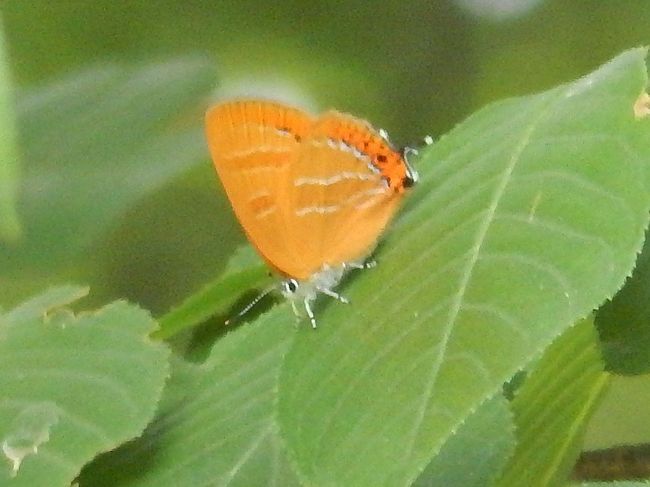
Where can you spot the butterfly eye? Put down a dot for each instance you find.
(290, 286)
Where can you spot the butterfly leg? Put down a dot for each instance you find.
(310, 313)
(369, 264)
(333, 294)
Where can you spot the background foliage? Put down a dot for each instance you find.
(105, 181)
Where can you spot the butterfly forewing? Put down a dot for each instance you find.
(253, 146)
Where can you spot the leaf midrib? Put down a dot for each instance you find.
(468, 270)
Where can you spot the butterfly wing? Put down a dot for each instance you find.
(253, 146)
(341, 199)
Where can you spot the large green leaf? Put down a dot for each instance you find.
(476, 453)
(552, 408)
(9, 224)
(96, 141)
(72, 386)
(528, 216)
(216, 425)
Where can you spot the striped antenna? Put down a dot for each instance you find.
(250, 305)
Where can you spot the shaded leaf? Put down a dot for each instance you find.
(528, 216)
(72, 386)
(552, 408)
(216, 425)
(624, 322)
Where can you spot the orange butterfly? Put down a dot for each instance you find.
(313, 194)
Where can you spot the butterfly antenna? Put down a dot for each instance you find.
(250, 305)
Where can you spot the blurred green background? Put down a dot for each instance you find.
(413, 67)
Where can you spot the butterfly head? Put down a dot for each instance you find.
(411, 177)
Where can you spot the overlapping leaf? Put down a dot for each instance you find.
(528, 216)
(217, 422)
(245, 271)
(552, 409)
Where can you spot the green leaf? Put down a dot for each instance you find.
(552, 408)
(622, 417)
(245, 271)
(624, 322)
(216, 425)
(476, 453)
(73, 386)
(97, 141)
(10, 229)
(529, 214)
